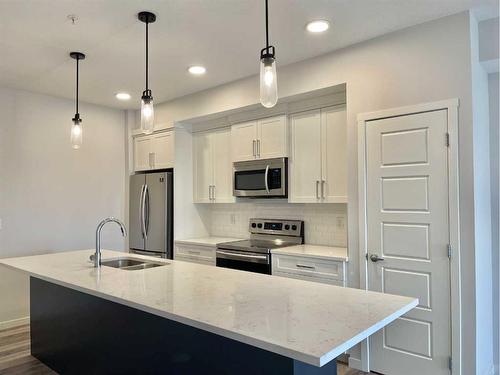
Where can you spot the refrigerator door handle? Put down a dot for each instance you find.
(147, 210)
(141, 211)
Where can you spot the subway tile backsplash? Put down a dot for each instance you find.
(325, 224)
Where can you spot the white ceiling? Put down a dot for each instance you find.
(223, 35)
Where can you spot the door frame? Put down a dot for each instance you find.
(451, 106)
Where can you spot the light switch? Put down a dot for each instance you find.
(233, 218)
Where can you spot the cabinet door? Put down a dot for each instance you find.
(244, 141)
(272, 138)
(222, 166)
(334, 154)
(163, 149)
(305, 161)
(202, 167)
(142, 153)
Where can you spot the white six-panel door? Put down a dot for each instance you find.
(408, 229)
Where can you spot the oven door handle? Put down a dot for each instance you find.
(265, 178)
(243, 257)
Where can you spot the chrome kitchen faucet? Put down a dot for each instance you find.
(97, 256)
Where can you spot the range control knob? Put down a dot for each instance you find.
(259, 225)
(287, 227)
(254, 225)
(294, 227)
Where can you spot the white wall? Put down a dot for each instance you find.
(493, 83)
(51, 196)
(488, 39)
(482, 208)
(424, 63)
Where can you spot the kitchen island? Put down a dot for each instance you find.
(185, 318)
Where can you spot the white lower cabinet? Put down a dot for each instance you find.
(195, 254)
(309, 268)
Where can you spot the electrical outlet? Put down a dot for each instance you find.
(233, 218)
(340, 222)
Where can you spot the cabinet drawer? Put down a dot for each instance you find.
(310, 267)
(310, 278)
(198, 254)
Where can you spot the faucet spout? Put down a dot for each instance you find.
(97, 255)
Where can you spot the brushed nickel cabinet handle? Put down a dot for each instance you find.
(306, 267)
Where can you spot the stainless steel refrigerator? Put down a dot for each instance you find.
(151, 214)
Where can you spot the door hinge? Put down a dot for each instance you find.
(450, 363)
(449, 251)
(447, 139)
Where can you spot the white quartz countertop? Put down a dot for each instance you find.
(206, 241)
(306, 321)
(315, 251)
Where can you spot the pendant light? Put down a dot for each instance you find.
(147, 109)
(76, 128)
(268, 77)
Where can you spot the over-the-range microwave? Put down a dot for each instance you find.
(267, 178)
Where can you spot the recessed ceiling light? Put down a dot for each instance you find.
(318, 26)
(123, 96)
(197, 70)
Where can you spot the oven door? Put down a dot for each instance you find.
(244, 261)
(261, 178)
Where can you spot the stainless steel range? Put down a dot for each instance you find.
(254, 254)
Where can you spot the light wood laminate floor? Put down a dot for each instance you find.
(16, 359)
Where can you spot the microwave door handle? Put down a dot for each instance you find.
(265, 178)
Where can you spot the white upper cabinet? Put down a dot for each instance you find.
(163, 150)
(212, 167)
(272, 138)
(305, 161)
(318, 164)
(334, 150)
(142, 153)
(223, 167)
(202, 168)
(155, 151)
(262, 139)
(244, 141)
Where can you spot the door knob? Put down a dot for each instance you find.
(375, 258)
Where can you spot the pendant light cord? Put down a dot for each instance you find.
(147, 55)
(77, 83)
(267, 28)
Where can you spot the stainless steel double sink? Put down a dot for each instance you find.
(131, 264)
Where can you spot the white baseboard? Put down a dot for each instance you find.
(355, 363)
(14, 323)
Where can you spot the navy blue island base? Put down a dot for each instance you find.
(76, 333)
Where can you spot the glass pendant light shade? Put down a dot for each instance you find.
(76, 134)
(268, 82)
(76, 129)
(147, 108)
(147, 114)
(268, 77)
